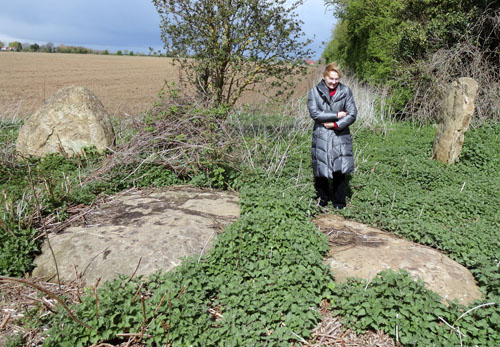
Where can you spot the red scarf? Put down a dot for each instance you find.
(332, 93)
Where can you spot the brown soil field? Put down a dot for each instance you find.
(124, 84)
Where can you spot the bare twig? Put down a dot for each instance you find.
(136, 268)
(5, 321)
(44, 229)
(94, 290)
(50, 294)
(473, 309)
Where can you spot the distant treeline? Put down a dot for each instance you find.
(62, 48)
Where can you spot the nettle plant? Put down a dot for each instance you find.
(261, 283)
(413, 315)
(453, 208)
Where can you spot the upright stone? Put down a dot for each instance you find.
(457, 110)
(69, 120)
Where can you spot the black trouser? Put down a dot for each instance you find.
(337, 193)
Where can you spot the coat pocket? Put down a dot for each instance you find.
(346, 146)
(346, 149)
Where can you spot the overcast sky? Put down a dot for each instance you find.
(116, 24)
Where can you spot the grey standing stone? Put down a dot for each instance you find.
(458, 107)
(69, 120)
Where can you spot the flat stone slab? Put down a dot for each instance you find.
(157, 227)
(359, 250)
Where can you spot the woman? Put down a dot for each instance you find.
(331, 106)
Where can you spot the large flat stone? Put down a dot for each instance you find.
(361, 251)
(157, 227)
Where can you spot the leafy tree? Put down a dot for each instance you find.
(73, 49)
(1, 44)
(393, 41)
(118, 52)
(34, 47)
(16, 45)
(48, 47)
(226, 47)
(378, 38)
(62, 49)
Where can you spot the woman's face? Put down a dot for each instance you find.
(332, 79)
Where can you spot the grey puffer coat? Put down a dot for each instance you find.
(331, 149)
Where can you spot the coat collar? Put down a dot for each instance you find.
(325, 92)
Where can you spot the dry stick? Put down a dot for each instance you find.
(42, 221)
(143, 325)
(136, 268)
(50, 294)
(93, 258)
(156, 310)
(205, 245)
(169, 314)
(472, 309)
(94, 290)
(299, 337)
(323, 335)
(5, 321)
(463, 186)
(137, 292)
(4, 226)
(49, 305)
(451, 327)
(78, 279)
(72, 219)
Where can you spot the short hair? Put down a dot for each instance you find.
(331, 67)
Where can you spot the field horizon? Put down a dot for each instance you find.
(126, 85)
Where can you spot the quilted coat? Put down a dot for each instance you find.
(331, 149)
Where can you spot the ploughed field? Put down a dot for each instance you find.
(124, 84)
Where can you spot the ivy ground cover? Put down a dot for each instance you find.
(453, 208)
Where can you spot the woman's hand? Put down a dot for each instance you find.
(329, 125)
(341, 114)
